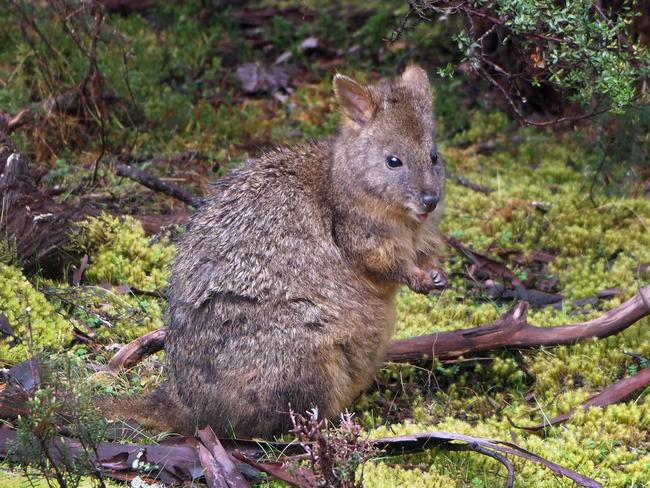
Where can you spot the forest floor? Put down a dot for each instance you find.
(189, 108)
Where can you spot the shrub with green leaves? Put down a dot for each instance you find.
(63, 397)
(583, 50)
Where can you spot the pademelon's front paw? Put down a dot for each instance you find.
(439, 279)
(425, 282)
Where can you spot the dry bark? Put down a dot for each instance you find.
(35, 225)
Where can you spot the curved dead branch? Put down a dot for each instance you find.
(137, 350)
(512, 331)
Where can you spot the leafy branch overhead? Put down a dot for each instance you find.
(588, 51)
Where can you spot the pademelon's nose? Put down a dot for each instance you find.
(429, 202)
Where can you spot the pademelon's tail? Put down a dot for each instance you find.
(156, 410)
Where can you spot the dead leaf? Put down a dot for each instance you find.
(490, 265)
(259, 78)
(220, 471)
(6, 330)
(79, 271)
(612, 394)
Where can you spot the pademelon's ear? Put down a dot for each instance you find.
(355, 100)
(417, 80)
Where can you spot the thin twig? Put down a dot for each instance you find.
(469, 184)
(158, 185)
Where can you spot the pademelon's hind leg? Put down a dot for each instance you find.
(157, 411)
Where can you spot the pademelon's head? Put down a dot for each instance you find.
(386, 149)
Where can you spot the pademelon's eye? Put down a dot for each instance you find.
(393, 162)
(434, 156)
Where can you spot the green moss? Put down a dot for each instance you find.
(8, 254)
(15, 480)
(483, 126)
(121, 254)
(32, 318)
(383, 474)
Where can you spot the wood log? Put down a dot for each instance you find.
(34, 224)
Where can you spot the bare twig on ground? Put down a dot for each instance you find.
(469, 184)
(158, 185)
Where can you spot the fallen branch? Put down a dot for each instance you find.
(396, 445)
(612, 394)
(158, 185)
(510, 331)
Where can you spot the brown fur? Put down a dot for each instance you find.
(283, 288)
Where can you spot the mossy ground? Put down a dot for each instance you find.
(543, 200)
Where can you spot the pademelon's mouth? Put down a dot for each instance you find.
(418, 216)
